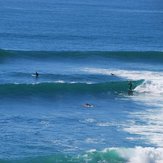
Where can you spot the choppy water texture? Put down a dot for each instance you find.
(85, 52)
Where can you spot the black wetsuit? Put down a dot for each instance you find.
(130, 86)
(37, 74)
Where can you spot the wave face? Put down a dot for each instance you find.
(54, 88)
(152, 56)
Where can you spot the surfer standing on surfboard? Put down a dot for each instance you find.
(130, 92)
(130, 86)
(36, 74)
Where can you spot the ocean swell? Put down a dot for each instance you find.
(152, 56)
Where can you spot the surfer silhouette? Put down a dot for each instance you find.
(36, 74)
(130, 92)
(130, 85)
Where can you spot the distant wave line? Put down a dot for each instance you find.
(125, 55)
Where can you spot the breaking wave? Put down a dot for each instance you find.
(108, 155)
(54, 88)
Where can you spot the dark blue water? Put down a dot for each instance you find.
(85, 52)
(81, 25)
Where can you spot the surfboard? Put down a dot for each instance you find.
(88, 105)
(130, 92)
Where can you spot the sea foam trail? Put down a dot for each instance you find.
(146, 123)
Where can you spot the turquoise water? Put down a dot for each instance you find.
(85, 52)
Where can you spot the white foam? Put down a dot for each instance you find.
(142, 155)
(137, 154)
(104, 124)
(93, 141)
(60, 81)
(88, 120)
(151, 127)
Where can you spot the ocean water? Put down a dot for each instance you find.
(85, 52)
